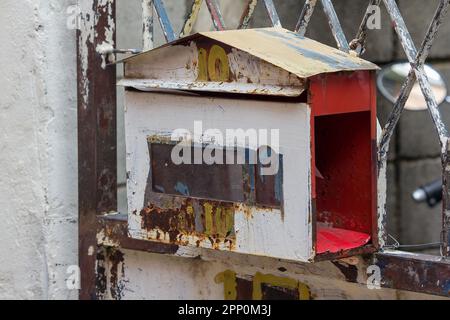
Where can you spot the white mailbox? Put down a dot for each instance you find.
(255, 141)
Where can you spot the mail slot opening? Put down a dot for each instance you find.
(236, 175)
(343, 181)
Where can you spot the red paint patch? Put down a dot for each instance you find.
(334, 240)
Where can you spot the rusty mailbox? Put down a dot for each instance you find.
(254, 141)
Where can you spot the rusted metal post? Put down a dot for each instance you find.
(191, 18)
(247, 14)
(147, 24)
(164, 21)
(305, 17)
(273, 15)
(97, 158)
(335, 26)
(216, 15)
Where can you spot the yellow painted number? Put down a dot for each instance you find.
(214, 65)
(202, 65)
(229, 280)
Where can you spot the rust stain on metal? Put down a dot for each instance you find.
(117, 273)
(206, 220)
(113, 233)
(411, 272)
(100, 275)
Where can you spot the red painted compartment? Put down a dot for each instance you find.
(343, 157)
(344, 183)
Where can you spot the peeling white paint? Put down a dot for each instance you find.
(175, 63)
(381, 196)
(86, 37)
(108, 44)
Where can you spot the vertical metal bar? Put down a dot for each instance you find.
(445, 235)
(97, 144)
(273, 14)
(191, 18)
(305, 17)
(357, 44)
(335, 26)
(216, 15)
(147, 24)
(164, 21)
(247, 14)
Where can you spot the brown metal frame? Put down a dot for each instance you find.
(97, 140)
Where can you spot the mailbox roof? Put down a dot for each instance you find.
(298, 55)
(288, 50)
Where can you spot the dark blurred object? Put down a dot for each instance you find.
(431, 193)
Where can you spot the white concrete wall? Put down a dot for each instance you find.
(38, 177)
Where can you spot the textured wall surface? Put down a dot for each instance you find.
(38, 180)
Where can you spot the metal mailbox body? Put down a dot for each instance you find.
(318, 102)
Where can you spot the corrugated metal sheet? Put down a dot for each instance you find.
(288, 50)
